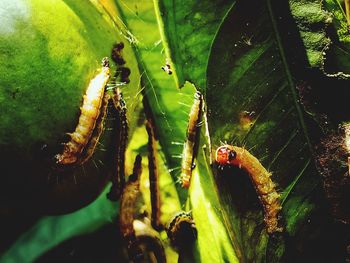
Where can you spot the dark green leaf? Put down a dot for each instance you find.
(50, 231)
(252, 103)
(190, 28)
(338, 60)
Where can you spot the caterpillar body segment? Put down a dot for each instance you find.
(90, 111)
(153, 177)
(188, 153)
(95, 137)
(182, 230)
(120, 106)
(119, 111)
(260, 177)
(128, 202)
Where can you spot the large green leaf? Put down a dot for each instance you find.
(190, 28)
(260, 111)
(169, 107)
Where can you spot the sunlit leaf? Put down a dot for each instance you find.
(190, 28)
(170, 107)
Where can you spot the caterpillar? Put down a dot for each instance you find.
(119, 111)
(182, 230)
(90, 111)
(260, 177)
(128, 201)
(96, 134)
(189, 150)
(153, 177)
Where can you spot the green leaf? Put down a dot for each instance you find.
(324, 33)
(259, 111)
(233, 52)
(50, 231)
(207, 215)
(169, 107)
(338, 60)
(190, 29)
(311, 21)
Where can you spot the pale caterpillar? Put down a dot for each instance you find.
(188, 153)
(260, 177)
(90, 111)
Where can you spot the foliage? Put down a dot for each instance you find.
(263, 68)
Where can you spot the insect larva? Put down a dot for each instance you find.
(88, 117)
(121, 141)
(182, 230)
(153, 177)
(261, 178)
(123, 135)
(189, 150)
(128, 201)
(91, 146)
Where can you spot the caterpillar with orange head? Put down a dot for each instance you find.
(260, 177)
(189, 150)
(90, 112)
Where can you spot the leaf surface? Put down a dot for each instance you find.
(252, 103)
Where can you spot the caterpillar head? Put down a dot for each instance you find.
(182, 230)
(226, 154)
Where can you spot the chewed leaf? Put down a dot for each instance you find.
(324, 34)
(311, 21)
